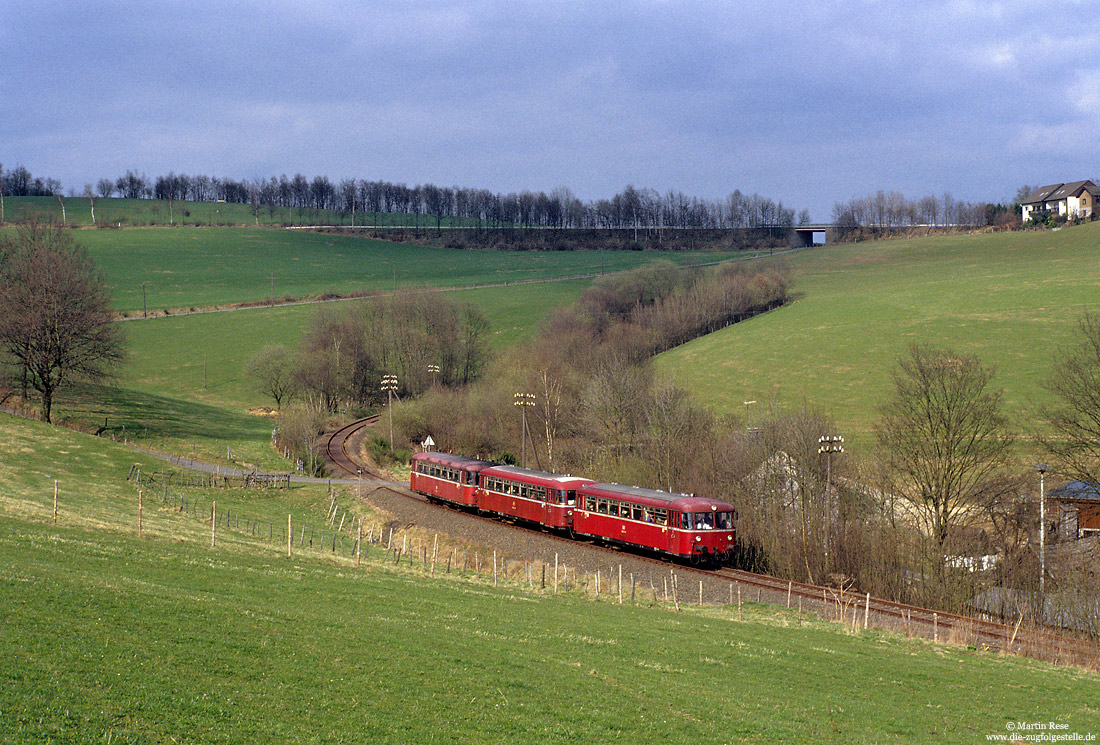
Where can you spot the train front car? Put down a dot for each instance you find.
(680, 525)
(535, 496)
(447, 477)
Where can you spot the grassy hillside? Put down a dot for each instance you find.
(183, 389)
(1012, 299)
(186, 267)
(108, 638)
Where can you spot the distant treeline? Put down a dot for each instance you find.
(890, 210)
(632, 209)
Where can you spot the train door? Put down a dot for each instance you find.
(673, 524)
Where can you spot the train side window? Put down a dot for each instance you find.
(590, 504)
(661, 515)
(601, 506)
(636, 512)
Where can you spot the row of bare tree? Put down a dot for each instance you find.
(890, 209)
(632, 208)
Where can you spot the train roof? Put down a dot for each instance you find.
(530, 474)
(463, 462)
(656, 497)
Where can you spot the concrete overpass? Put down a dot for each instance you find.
(809, 235)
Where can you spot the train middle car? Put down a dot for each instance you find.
(448, 477)
(680, 525)
(535, 496)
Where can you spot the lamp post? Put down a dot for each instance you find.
(524, 400)
(827, 445)
(1042, 468)
(389, 385)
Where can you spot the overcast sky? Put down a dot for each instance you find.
(805, 102)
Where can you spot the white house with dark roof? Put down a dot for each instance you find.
(1076, 199)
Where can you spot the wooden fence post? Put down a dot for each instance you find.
(359, 544)
(139, 513)
(213, 523)
(55, 501)
(289, 536)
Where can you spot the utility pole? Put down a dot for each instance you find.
(523, 401)
(1042, 468)
(827, 445)
(144, 307)
(389, 385)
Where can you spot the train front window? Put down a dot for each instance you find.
(704, 521)
(725, 520)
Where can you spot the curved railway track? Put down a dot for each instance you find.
(851, 607)
(338, 449)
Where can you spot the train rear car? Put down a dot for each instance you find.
(680, 525)
(447, 477)
(535, 496)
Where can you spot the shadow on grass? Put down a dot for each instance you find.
(136, 414)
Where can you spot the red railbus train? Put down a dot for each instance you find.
(536, 496)
(683, 526)
(679, 525)
(447, 477)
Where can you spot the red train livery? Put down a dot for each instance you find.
(536, 496)
(679, 525)
(448, 477)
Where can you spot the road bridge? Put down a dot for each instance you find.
(809, 235)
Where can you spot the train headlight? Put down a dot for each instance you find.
(698, 538)
(729, 538)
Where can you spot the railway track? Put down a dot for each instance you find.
(338, 449)
(845, 605)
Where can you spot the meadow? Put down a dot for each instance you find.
(109, 637)
(183, 389)
(201, 267)
(1012, 299)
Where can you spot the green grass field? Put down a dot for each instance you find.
(203, 267)
(112, 638)
(183, 390)
(1012, 299)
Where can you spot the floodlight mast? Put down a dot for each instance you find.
(523, 401)
(1042, 468)
(389, 385)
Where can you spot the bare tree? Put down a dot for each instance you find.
(91, 197)
(55, 318)
(300, 429)
(1074, 437)
(273, 371)
(946, 442)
